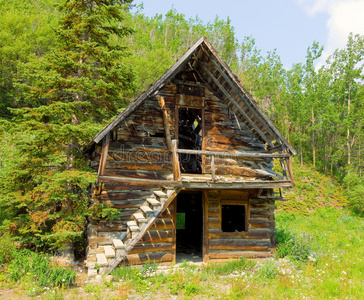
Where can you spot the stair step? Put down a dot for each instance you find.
(154, 202)
(160, 194)
(132, 226)
(139, 217)
(101, 259)
(118, 244)
(109, 251)
(148, 212)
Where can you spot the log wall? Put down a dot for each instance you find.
(255, 242)
(224, 132)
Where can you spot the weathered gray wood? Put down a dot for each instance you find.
(105, 149)
(175, 162)
(233, 154)
(232, 100)
(138, 180)
(165, 122)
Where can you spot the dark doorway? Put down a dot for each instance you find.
(189, 226)
(190, 137)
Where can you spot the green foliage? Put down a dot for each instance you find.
(37, 267)
(43, 198)
(26, 33)
(354, 186)
(268, 269)
(125, 273)
(148, 269)
(297, 248)
(65, 93)
(313, 190)
(8, 248)
(159, 41)
(229, 267)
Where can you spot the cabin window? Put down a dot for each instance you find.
(233, 218)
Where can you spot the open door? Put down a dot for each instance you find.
(189, 225)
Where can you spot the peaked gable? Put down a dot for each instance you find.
(205, 62)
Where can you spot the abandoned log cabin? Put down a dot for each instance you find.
(189, 164)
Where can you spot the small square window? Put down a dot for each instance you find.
(233, 218)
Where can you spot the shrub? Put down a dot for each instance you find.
(8, 249)
(356, 196)
(296, 248)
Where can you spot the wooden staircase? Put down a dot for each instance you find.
(108, 257)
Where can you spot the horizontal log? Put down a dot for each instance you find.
(239, 244)
(214, 214)
(190, 101)
(214, 223)
(151, 155)
(260, 234)
(260, 223)
(120, 204)
(252, 184)
(238, 254)
(158, 257)
(162, 224)
(214, 233)
(151, 247)
(117, 186)
(119, 144)
(139, 165)
(108, 179)
(109, 226)
(125, 195)
(157, 236)
(232, 154)
(261, 215)
(261, 206)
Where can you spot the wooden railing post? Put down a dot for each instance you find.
(290, 171)
(213, 168)
(175, 162)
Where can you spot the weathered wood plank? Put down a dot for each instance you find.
(157, 236)
(239, 244)
(223, 255)
(151, 247)
(141, 258)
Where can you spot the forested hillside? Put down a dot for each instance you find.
(68, 67)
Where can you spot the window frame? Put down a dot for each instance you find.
(235, 202)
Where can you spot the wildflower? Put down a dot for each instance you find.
(344, 272)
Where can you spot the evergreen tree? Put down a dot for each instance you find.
(79, 82)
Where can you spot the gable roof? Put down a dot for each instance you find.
(217, 75)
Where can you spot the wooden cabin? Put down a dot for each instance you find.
(189, 164)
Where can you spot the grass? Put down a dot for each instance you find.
(333, 269)
(320, 256)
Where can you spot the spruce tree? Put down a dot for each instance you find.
(66, 93)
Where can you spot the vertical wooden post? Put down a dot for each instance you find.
(165, 122)
(173, 205)
(205, 234)
(290, 171)
(104, 151)
(213, 168)
(284, 170)
(175, 162)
